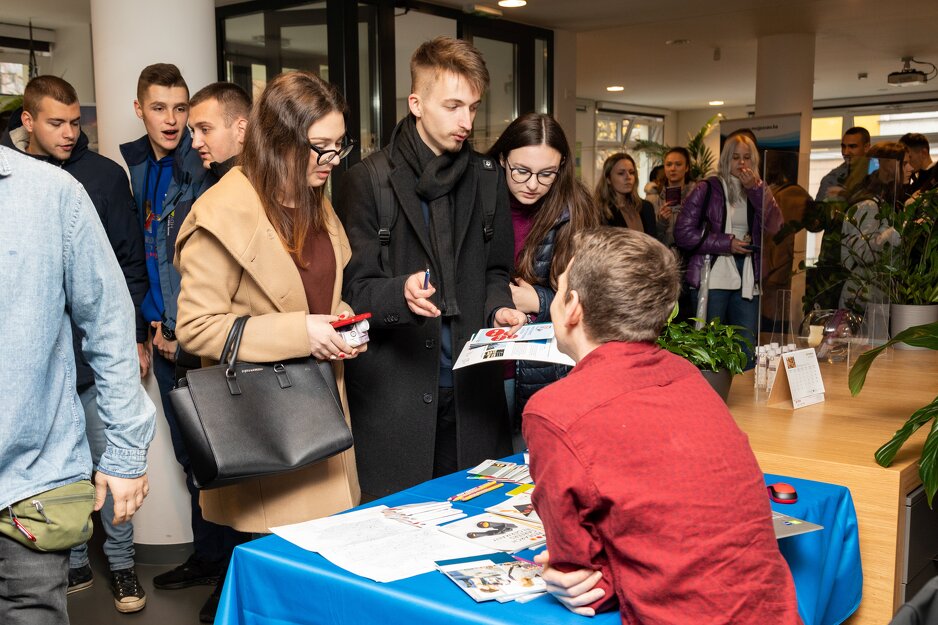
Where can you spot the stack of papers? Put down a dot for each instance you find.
(535, 341)
(499, 577)
(425, 514)
(502, 471)
(367, 543)
(518, 507)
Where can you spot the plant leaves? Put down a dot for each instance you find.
(887, 453)
(928, 463)
(917, 336)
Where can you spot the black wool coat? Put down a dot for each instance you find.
(392, 388)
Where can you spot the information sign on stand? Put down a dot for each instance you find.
(801, 384)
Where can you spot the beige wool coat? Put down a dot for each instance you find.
(233, 263)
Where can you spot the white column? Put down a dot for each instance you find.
(785, 85)
(128, 35)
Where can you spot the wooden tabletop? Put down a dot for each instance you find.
(844, 429)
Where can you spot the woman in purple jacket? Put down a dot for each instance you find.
(722, 224)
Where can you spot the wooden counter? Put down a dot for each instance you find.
(834, 442)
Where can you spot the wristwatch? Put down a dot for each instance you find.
(167, 332)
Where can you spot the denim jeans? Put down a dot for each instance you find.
(119, 541)
(732, 308)
(32, 585)
(211, 542)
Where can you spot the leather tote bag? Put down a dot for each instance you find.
(242, 420)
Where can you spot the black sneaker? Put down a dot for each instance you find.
(192, 572)
(128, 593)
(80, 579)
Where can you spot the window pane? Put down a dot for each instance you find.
(540, 76)
(500, 104)
(827, 128)
(870, 122)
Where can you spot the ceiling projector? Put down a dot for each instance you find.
(907, 77)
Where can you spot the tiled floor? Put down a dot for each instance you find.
(95, 606)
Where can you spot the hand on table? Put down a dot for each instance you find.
(574, 589)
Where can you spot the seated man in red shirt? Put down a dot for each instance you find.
(649, 492)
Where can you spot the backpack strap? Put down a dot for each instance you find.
(379, 170)
(488, 178)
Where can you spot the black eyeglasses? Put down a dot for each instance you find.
(522, 175)
(324, 157)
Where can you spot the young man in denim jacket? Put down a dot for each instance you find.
(58, 269)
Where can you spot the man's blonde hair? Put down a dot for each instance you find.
(445, 54)
(627, 281)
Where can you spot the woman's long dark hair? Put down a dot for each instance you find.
(605, 195)
(566, 192)
(276, 153)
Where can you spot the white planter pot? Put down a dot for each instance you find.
(904, 316)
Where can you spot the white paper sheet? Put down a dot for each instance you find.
(400, 556)
(366, 543)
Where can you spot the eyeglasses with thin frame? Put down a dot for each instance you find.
(324, 157)
(522, 175)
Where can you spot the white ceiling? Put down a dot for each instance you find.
(622, 42)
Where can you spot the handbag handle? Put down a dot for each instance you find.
(229, 353)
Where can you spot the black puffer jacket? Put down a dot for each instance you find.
(107, 185)
(532, 376)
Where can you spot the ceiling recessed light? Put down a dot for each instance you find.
(715, 102)
(677, 42)
(615, 88)
(512, 4)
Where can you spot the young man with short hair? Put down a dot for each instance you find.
(429, 224)
(166, 175)
(651, 498)
(855, 143)
(49, 130)
(924, 172)
(218, 116)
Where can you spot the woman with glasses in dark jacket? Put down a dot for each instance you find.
(548, 205)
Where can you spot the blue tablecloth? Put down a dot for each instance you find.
(273, 582)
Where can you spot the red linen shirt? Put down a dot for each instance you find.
(642, 473)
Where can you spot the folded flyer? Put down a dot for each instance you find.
(498, 577)
(541, 350)
(495, 532)
(517, 507)
(529, 332)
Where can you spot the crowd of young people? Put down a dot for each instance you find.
(436, 241)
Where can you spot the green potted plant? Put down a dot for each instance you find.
(910, 268)
(718, 350)
(926, 337)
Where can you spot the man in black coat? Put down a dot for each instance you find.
(432, 243)
(48, 129)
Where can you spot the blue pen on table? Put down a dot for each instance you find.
(426, 279)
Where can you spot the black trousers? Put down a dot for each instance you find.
(445, 451)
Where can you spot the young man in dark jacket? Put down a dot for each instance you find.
(48, 129)
(166, 175)
(432, 244)
(218, 117)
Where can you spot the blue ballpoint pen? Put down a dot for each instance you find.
(426, 279)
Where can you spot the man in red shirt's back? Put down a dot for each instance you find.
(641, 472)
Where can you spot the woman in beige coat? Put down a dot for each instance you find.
(265, 242)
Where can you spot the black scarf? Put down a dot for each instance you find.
(437, 179)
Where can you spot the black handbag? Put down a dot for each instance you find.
(242, 420)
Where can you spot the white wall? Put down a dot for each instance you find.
(71, 59)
